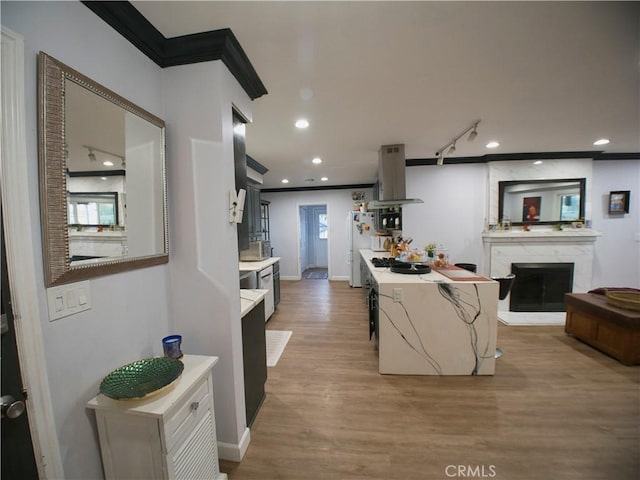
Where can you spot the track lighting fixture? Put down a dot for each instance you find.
(451, 145)
(92, 156)
(473, 134)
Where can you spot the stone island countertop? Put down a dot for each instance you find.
(440, 323)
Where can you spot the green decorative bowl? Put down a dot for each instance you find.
(141, 378)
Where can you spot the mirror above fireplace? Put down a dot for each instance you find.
(542, 202)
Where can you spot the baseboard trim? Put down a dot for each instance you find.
(532, 318)
(233, 452)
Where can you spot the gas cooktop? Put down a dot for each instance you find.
(400, 267)
(384, 261)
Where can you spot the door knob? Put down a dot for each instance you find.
(11, 408)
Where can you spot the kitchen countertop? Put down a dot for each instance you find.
(257, 266)
(249, 299)
(439, 323)
(449, 274)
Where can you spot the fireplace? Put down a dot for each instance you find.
(540, 287)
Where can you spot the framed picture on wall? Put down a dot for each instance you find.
(619, 202)
(531, 209)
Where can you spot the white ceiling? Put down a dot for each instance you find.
(542, 77)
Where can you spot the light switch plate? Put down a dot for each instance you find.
(68, 299)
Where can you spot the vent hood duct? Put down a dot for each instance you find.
(391, 178)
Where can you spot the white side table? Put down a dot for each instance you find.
(168, 436)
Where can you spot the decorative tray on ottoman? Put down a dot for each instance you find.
(628, 300)
(141, 378)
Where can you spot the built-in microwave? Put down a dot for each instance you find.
(260, 250)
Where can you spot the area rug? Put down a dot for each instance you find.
(276, 342)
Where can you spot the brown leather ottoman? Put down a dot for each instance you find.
(610, 329)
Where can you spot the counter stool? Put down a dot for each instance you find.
(467, 266)
(506, 283)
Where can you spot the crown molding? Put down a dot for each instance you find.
(504, 157)
(307, 189)
(183, 50)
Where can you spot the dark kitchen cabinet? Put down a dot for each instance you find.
(264, 219)
(252, 213)
(254, 355)
(276, 283)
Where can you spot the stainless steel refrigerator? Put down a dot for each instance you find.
(360, 227)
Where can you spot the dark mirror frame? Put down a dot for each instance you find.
(52, 75)
(502, 186)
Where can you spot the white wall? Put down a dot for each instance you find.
(456, 207)
(617, 252)
(130, 312)
(203, 265)
(454, 210)
(283, 219)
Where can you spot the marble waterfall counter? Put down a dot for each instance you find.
(439, 323)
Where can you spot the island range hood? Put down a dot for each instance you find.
(391, 179)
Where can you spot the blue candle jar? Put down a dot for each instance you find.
(171, 346)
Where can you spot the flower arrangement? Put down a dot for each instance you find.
(430, 248)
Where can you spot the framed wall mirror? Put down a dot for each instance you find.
(103, 192)
(542, 202)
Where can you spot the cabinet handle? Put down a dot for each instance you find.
(194, 406)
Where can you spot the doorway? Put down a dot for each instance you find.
(314, 238)
(18, 457)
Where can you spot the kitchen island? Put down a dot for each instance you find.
(439, 323)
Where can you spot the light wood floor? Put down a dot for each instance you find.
(555, 409)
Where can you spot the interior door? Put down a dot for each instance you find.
(304, 238)
(18, 459)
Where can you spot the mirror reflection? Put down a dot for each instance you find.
(542, 201)
(102, 178)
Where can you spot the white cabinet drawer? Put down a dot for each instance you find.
(169, 436)
(187, 415)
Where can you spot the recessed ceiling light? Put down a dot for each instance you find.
(302, 123)
(284, 180)
(602, 141)
(317, 160)
(538, 162)
(108, 163)
(324, 179)
(493, 144)
(103, 178)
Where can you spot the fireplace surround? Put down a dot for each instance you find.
(540, 287)
(504, 248)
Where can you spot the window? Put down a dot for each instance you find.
(569, 207)
(93, 209)
(322, 226)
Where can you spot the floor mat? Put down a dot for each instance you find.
(276, 342)
(315, 274)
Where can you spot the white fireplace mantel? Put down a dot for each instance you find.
(576, 246)
(574, 235)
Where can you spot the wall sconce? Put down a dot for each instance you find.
(236, 205)
(451, 145)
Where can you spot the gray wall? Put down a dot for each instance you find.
(197, 293)
(130, 311)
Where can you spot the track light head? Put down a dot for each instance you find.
(440, 159)
(452, 149)
(472, 136)
(92, 156)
